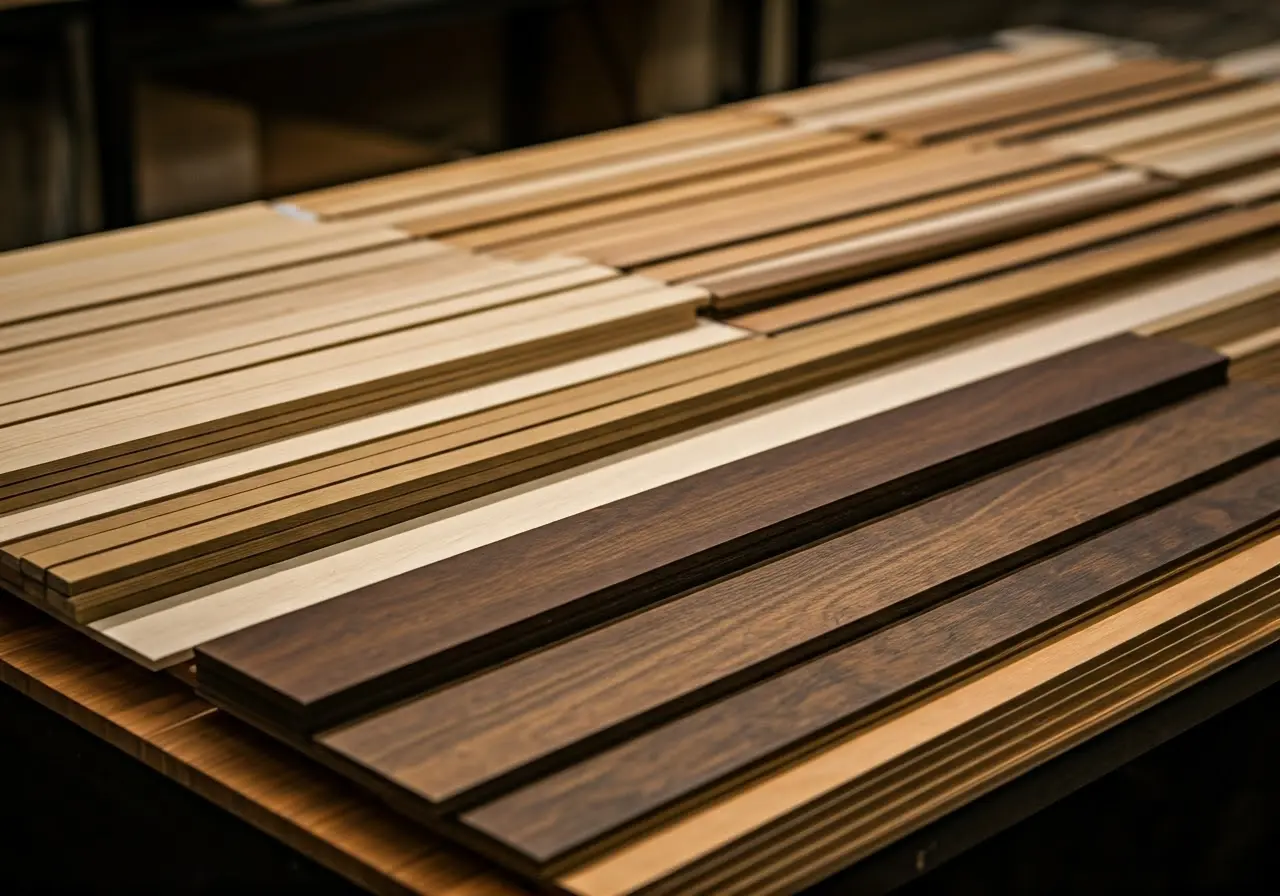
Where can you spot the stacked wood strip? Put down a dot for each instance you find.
(694, 507)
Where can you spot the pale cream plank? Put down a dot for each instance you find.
(1250, 188)
(165, 632)
(1220, 151)
(1255, 62)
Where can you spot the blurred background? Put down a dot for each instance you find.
(115, 112)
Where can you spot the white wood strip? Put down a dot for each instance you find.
(707, 334)
(165, 632)
(1184, 117)
(1256, 62)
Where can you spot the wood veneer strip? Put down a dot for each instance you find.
(289, 336)
(370, 195)
(80, 248)
(924, 239)
(96, 322)
(550, 231)
(117, 427)
(576, 186)
(819, 200)
(540, 713)
(1187, 117)
(164, 632)
(1249, 188)
(1255, 62)
(691, 268)
(557, 815)
(965, 119)
(1222, 151)
(1126, 258)
(274, 455)
(874, 114)
(671, 538)
(752, 807)
(1232, 325)
(1060, 124)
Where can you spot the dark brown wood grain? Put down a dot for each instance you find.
(336, 659)
(564, 812)
(473, 740)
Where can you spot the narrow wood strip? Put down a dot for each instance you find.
(925, 239)
(1256, 344)
(597, 182)
(738, 814)
(1222, 151)
(1181, 119)
(81, 248)
(1262, 367)
(1232, 325)
(365, 196)
(552, 817)
(788, 208)
(1062, 268)
(874, 114)
(164, 632)
(127, 375)
(1255, 62)
(1154, 99)
(96, 323)
(1249, 188)
(274, 455)
(522, 234)
(82, 436)
(546, 710)
(692, 267)
(961, 120)
(680, 535)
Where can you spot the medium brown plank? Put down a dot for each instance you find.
(480, 606)
(554, 816)
(470, 741)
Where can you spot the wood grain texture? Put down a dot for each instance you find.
(564, 812)
(163, 633)
(1118, 260)
(879, 783)
(928, 238)
(478, 738)
(482, 606)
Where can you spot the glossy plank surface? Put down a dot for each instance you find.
(435, 623)
(566, 811)
(527, 717)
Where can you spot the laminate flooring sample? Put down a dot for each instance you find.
(554, 816)
(340, 657)
(477, 738)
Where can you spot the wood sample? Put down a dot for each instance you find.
(165, 632)
(477, 738)
(874, 785)
(668, 539)
(564, 812)
(1120, 259)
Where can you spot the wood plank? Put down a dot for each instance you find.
(690, 268)
(821, 199)
(371, 195)
(1126, 258)
(562, 813)
(551, 708)
(840, 767)
(119, 427)
(965, 119)
(97, 323)
(548, 231)
(925, 239)
(663, 541)
(164, 632)
(1249, 188)
(1187, 117)
(1220, 151)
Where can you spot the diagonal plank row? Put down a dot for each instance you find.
(448, 480)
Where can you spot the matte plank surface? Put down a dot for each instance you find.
(561, 813)
(486, 733)
(420, 628)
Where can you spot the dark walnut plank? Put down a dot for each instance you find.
(557, 815)
(471, 741)
(329, 662)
